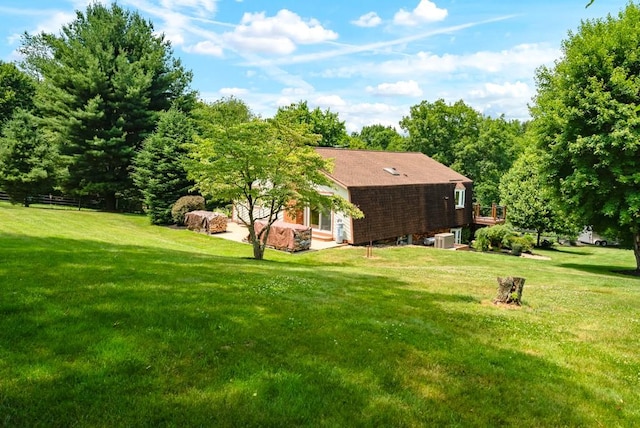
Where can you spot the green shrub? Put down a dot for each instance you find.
(481, 242)
(494, 237)
(184, 205)
(516, 249)
(525, 243)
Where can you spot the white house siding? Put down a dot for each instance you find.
(241, 213)
(337, 216)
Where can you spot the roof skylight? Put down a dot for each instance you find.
(391, 170)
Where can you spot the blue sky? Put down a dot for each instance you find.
(368, 60)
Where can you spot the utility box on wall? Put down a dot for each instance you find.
(445, 240)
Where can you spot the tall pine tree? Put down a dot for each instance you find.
(28, 160)
(160, 166)
(104, 79)
(16, 91)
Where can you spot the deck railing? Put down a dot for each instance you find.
(494, 214)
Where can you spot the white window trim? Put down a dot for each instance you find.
(459, 197)
(457, 234)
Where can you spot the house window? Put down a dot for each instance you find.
(320, 220)
(457, 235)
(458, 195)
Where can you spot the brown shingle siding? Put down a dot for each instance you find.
(392, 211)
(419, 199)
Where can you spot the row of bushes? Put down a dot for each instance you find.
(501, 237)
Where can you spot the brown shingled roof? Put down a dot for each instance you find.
(357, 168)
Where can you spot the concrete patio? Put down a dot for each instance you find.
(237, 232)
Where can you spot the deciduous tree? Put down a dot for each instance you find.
(265, 166)
(488, 158)
(380, 137)
(226, 111)
(530, 201)
(438, 129)
(586, 115)
(325, 123)
(456, 135)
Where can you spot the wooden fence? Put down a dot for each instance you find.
(61, 200)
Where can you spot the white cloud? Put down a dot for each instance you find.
(330, 101)
(82, 4)
(279, 34)
(53, 23)
(407, 88)
(519, 61)
(370, 19)
(225, 92)
(512, 90)
(203, 7)
(495, 99)
(176, 26)
(345, 49)
(530, 56)
(284, 101)
(425, 12)
(273, 45)
(298, 92)
(358, 115)
(206, 48)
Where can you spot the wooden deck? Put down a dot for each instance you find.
(489, 216)
(488, 221)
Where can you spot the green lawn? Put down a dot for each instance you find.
(107, 321)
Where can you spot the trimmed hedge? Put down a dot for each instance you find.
(184, 205)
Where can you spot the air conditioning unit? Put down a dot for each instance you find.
(445, 240)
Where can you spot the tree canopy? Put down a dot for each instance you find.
(17, 90)
(104, 79)
(438, 129)
(456, 135)
(160, 166)
(529, 199)
(489, 157)
(586, 116)
(325, 123)
(265, 166)
(208, 117)
(29, 162)
(380, 137)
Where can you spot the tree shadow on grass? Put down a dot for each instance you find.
(609, 270)
(98, 334)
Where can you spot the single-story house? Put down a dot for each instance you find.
(403, 195)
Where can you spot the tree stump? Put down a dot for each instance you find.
(510, 290)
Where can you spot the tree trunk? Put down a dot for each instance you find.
(510, 290)
(636, 249)
(258, 249)
(110, 202)
(539, 233)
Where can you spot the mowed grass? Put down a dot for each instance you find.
(107, 321)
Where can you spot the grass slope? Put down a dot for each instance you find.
(108, 321)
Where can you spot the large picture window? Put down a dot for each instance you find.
(320, 220)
